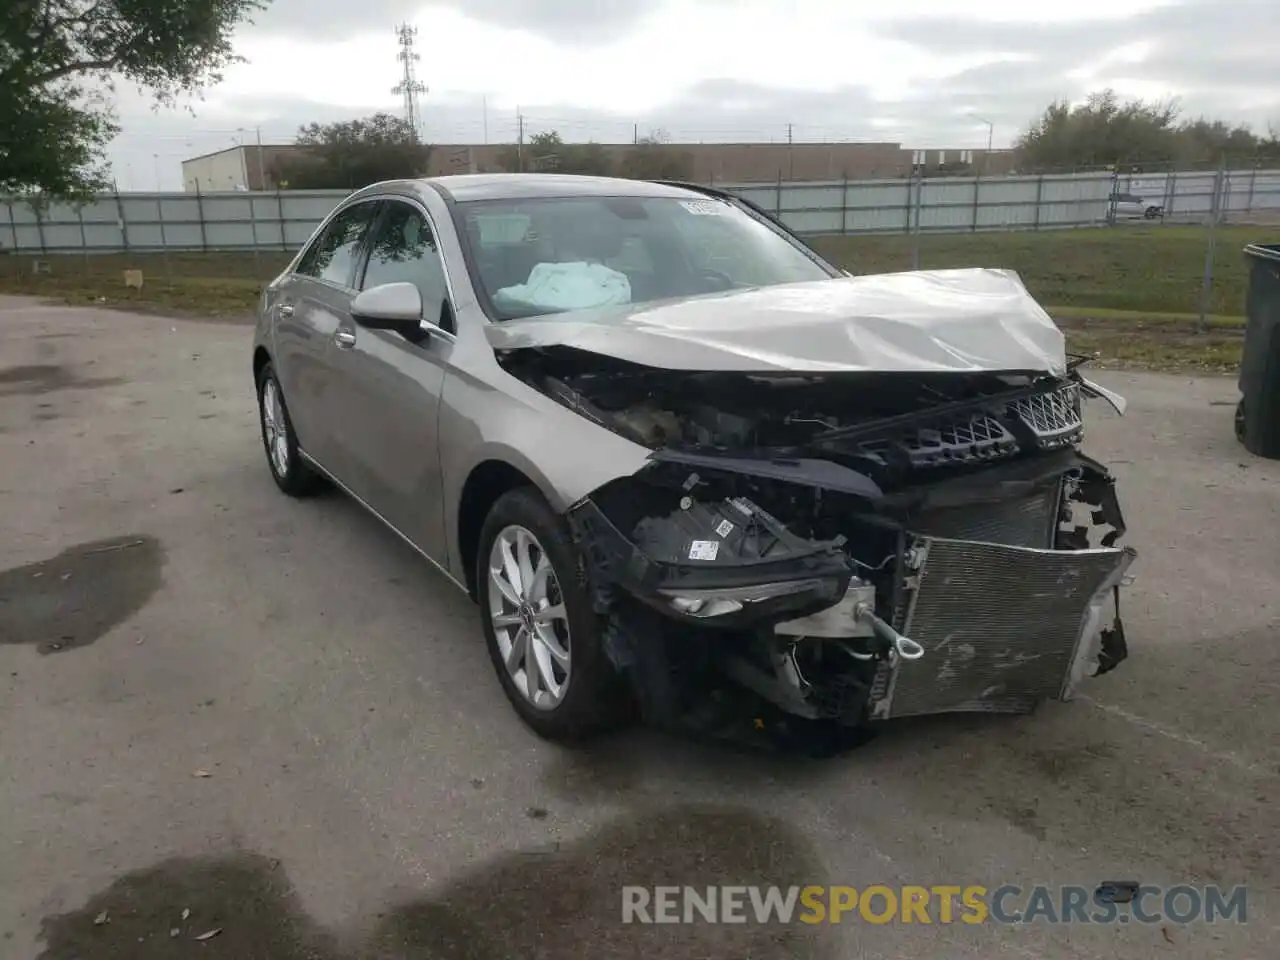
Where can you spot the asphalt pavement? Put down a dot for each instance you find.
(231, 715)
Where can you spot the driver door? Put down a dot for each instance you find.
(385, 391)
(310, 307)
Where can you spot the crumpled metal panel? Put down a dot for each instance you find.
(925, 321)
(1000, 625)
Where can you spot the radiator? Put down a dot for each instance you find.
(1000, 625)
(1028, 521)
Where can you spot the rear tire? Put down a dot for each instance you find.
(290, 472)
(537, 614)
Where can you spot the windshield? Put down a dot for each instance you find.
(547, 256)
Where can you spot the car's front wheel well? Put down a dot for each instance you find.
(487, 482)
(260, 359)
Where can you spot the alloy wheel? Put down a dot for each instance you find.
(274, 427)
(530, 623)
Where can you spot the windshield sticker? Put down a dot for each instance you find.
(724, 528)
(703, 550)
(703, 208)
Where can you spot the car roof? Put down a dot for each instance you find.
(522, 186)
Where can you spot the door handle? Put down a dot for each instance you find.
(285, 309)
(345, 339)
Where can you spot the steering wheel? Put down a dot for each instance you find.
(722, 281)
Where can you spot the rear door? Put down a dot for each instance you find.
(384, 391)
(311, 306)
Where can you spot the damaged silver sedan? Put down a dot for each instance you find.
(684, 464)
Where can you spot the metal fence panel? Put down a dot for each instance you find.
(283, 221)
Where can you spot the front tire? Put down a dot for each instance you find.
(279, 441)
(543, 636)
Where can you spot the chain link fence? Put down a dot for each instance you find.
(1142, 239)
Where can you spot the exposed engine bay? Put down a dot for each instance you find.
(850, 547)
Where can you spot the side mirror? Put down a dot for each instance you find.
(391, 306)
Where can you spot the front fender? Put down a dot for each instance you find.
(565, 455)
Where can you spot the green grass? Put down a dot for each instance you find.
(220, 285)
(1130, 294)
(1139, 344)
(1144, 268)
(1105, 315)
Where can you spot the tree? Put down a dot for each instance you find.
(353, 154)
(1101, 131)
(59, 59)
(546, 152)
(652, 158)
(1106, 132)
(1216, 141)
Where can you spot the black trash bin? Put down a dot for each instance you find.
(1258, 415)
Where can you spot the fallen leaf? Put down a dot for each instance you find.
(1165, 932)
(100, 919)
(114, 547)
(202, 774)
(209, 934)
(186, 912)
(139, 641)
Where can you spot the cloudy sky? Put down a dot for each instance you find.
(924, 74)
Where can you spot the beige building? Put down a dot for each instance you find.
(236, 168)
(250, 167)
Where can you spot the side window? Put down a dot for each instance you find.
(334, 253)
(403, 249)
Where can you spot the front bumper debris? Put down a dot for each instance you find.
(721, 565)
(988, 592)
(1002, 627)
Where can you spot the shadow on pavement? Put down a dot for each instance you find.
(558, 903)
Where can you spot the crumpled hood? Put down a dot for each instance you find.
(956, 321)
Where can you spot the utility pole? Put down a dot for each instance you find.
(484, 108)
(519, 141)
(409, 87)
(991, 131)
(635, 134)
(791, 155)
(262, 178)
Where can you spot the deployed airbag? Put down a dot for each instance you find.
(555, 287)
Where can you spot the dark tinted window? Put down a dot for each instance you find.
(542, 256)
(404, 250)
(333, 254)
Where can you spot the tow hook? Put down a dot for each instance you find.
(904, 647)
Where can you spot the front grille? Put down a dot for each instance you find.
(985, 434)
(999, 625)
(1053, 417)
(961, 440)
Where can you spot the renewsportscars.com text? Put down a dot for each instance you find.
(941, 903)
